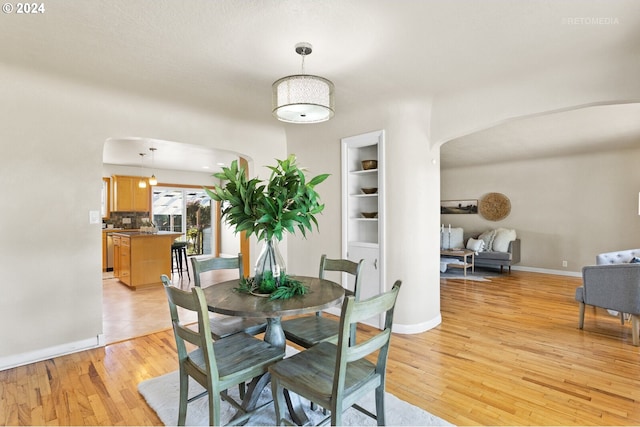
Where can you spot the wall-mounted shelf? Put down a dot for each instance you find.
(364, 172)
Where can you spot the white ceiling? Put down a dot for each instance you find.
(587, 130)
(168, 155)
(223, 55)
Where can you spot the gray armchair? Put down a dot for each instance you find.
(613, 287)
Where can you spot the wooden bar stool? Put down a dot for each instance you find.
(178, 253)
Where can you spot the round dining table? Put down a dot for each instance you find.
(224, 298)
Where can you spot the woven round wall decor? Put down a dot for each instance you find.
(494, 206)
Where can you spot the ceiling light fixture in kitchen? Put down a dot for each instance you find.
(303, 98)
(153, 180)
(143, 182)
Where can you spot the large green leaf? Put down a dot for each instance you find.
(286, 202)
(318, 179)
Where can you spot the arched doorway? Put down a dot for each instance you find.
(181, 176)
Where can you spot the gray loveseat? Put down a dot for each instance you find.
(500, 259)
(613, 284)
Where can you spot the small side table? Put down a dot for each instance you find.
(464, 255)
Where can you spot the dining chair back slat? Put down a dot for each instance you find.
(344, 266)
(201, 337)
(215, 366)
(356, 312)
(224, 326)
(308, 331)
(337, 376)
(202, 265)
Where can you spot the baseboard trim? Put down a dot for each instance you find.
(403, 329)
(16, 360)
(418, 327)
(548, 271)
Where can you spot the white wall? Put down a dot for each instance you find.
(230, 243)
(54, 130)
(52, 139)
(412, 204)
(564, 208)
(414, 131)
(413, 192)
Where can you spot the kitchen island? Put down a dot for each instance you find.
(141, 258)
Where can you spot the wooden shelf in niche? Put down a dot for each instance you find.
(363, 244)
(364, 172)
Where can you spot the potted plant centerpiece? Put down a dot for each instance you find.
(287, 202)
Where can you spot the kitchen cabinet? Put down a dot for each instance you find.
(116, 255)
(124, 256)
(109, 258)
(107, 249)
(363, 216)
(128, 196)
(141, 258)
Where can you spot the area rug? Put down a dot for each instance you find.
(479, 275)
(162, 395)
(460, 276)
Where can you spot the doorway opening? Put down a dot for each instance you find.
(178, 204)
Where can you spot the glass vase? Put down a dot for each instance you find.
(270, 268)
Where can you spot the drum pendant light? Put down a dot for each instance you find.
(303, 98)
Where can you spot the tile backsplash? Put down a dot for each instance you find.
(118, 219)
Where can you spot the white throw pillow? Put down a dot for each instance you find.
(502, 239)
(488, 237)
(475, 245)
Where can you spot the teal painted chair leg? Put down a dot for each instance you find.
(380, 405)
(184, 395)
(278, 400)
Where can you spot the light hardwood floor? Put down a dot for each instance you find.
(508, 352)
(131, 313)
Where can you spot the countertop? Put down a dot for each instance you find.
(139, 234)
(118, 230)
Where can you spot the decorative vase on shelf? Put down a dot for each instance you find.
(270, 267)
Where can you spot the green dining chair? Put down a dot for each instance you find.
(217, 366)
(308, 331)
(334, 376)
(221, 325)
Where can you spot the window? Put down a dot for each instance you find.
(186, 211)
